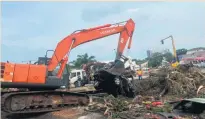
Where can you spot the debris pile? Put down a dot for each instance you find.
(153, 94)
(182, 81)
(185, 81)
(141, 106)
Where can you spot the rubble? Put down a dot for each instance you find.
(185, 81)
(155, 94)
(123, 108)
(141, 107)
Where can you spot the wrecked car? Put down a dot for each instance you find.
(193, 107)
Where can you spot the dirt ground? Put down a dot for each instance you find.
(74, 113)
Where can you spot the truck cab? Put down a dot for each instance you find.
(75, 75)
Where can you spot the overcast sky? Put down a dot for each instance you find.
(30, 28)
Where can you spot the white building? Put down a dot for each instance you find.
(144, 64)
(195, 50)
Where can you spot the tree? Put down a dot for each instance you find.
(181, 51)
(169, 57)
(83, 59)
(139, 61)
(157, 58)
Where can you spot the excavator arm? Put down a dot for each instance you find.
(86, 35)
(42, 95)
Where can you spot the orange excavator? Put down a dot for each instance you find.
(44, 92)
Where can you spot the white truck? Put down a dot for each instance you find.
(75, 75)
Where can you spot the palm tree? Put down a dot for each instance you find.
(83, 59)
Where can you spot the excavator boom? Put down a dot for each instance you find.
(175, 63)
(87, 35)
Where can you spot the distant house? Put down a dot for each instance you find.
(145, 64)
(194, 50)
(194, 54)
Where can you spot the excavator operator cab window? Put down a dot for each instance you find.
(43, 60)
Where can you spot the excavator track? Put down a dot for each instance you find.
(41, 101)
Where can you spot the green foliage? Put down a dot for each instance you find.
(168, 56)
(157, 58)
(83, 59)
(117, 104)
(139, 61)
(167, 108)
(181, 51)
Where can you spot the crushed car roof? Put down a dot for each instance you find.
(198, 100)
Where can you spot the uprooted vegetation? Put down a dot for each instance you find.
(185, 81)
(165, 85)
(123, 108)
(182, 81)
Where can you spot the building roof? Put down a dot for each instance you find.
(199, 48)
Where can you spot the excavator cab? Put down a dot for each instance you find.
(43, 60)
